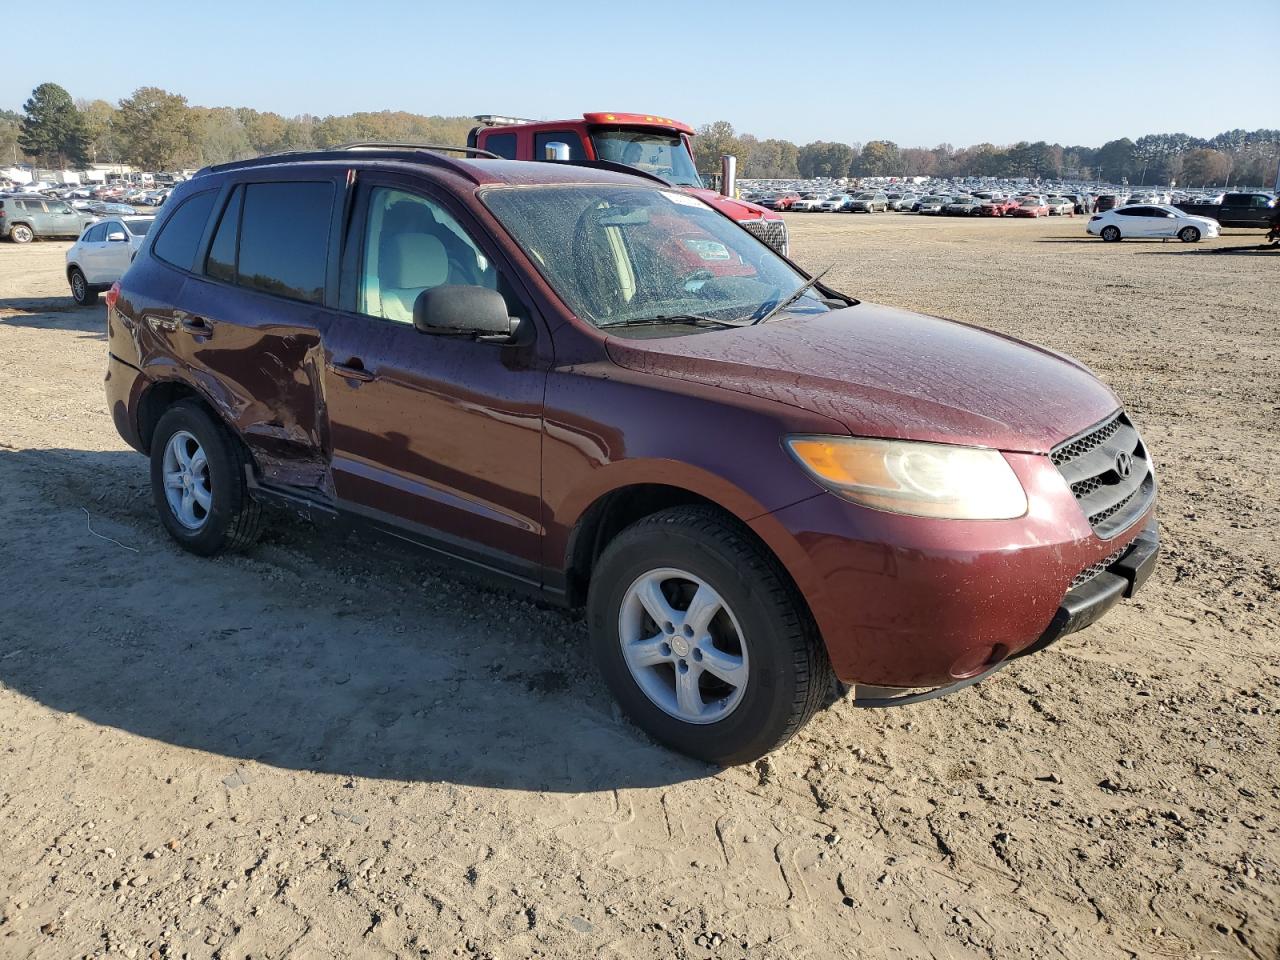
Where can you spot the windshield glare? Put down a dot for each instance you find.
(662, 154)
(618, 253)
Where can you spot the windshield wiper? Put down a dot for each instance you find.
(795, 295)
(690, 319)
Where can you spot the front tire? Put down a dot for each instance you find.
(1189, 235)
(198, 482)
(702, 637)
(21, 233)
(1110, 234)
(81, 292)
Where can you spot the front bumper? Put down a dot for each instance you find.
(1080, 608)
(909, 602)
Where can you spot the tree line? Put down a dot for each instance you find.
(158, 130)
(1237, 156)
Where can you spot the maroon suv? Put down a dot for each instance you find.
(588, 384)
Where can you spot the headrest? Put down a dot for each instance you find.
(415, 260)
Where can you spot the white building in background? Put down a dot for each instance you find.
(96, 173)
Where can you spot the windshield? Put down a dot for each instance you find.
(662, 154)
(618, 253)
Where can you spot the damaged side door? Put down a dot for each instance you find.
(253, 315)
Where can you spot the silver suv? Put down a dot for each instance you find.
(25, 217)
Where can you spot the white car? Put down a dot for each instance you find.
(807, 204)
(1151, 220)
(1060, 206)
(102, 255)
(834, 203)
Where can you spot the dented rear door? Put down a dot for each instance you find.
(252, 314)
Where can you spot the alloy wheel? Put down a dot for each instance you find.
(683, 646)
(187, 487)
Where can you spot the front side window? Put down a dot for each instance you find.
(60, 208)
(618, 254)
(96, 234)
(181, 233)
(413, 244)
(662, 154)
(284, 239)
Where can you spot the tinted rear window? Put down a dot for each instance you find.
(284, 239)
(181, 234)
(503, 144)
(221, 263)
(139, 228)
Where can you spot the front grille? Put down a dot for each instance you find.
(1091, 571)
(772, 232)
(1109, 472)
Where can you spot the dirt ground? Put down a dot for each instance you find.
(332, 748)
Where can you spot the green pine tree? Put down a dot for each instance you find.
(52, 129)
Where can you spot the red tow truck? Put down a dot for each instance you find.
(655, 145)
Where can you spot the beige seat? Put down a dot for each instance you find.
(410, 263)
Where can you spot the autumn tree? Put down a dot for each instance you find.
(98, 120)
(1205, 166)
(156, 129)
(879, 158)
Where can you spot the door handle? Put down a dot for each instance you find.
(353, 369)
(196, 326)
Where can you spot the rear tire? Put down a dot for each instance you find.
(81, 292)
(220, 514)
(1110, 234)
(1189, 235)
(21, 233)
(763, 631)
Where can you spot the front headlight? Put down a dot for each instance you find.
(915, 478)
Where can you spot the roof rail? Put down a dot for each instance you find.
(407, 145)
(414, 153)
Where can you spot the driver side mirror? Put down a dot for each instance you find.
(117, 236)
(464, 311)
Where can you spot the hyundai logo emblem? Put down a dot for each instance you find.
(1124, 464)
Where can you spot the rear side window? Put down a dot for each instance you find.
(503, 144)
(181, 233)
(284, 239)
(221, 264)
(139, 228)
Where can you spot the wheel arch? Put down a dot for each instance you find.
(612, 512)
(158, 398)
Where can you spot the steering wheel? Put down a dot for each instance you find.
(692, 282)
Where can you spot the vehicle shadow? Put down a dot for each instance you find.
(53, 313)
(320, 650)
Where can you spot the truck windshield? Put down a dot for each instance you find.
(662, 154)
(619, 254)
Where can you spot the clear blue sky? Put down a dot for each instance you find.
(919, 73)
